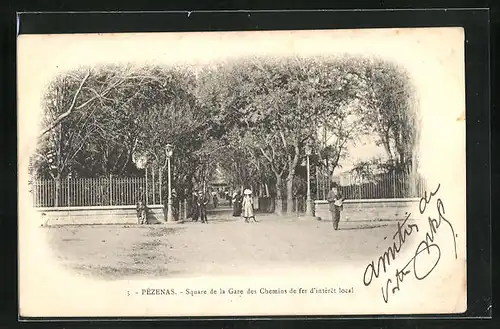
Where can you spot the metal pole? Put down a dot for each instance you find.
(326, 178)
(170, 218)
(308, 201)
(160, 179)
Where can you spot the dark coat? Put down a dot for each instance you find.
(331, 201)
(202, 200)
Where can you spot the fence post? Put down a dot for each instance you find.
(147, 189)
(296, 205)
(160, 181)
(317, 184)
(110, 191)
(68, 194)
(394, 185)
(153, 185)
(405, 187)
(360, 195)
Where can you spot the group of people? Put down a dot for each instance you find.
(243, 205)
(199, 204)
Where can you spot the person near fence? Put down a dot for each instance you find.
(142, 215)
(335, 201)
(195, 211)
(175, 205)
(236, 202)
(247, 205)
(202, 206)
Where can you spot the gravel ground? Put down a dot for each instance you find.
(223, 246)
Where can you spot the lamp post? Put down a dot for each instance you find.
(308, 201)
(169, 151)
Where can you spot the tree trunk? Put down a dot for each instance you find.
(279, 201)
(289, 180)
(57, 180)
(387, 145)
(289, 195)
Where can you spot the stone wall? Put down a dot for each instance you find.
(369, 210)
(354, 210)
(98, 215)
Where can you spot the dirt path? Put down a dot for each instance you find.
(224, 246)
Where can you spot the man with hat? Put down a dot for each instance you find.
(335, 202)
(202, 206)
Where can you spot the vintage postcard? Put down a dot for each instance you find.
(273, 173)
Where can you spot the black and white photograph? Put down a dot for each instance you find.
(315, 172)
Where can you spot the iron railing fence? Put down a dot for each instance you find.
(103, 191)
(116, 191)
(381, 186)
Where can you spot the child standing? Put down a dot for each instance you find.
(141, 213)
(248, 206)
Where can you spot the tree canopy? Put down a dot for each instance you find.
(251, 118)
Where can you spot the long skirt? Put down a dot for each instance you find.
(195, 213)
(248, 210)
(236, 209)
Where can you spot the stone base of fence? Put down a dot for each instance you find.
(354, 210)
(99, 215)
(369, 209)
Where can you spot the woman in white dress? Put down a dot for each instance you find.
(248, 206)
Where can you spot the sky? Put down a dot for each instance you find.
(363, 150)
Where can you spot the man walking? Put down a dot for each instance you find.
(335, 201)
(202, 206)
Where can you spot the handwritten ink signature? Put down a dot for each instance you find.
(420, 260)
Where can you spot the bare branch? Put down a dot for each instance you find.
(70, 109)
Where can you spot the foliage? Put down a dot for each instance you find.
(390, 110)
(252, 118)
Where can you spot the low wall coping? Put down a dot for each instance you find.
(372, 200)
(124, 207)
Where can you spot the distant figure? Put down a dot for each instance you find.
(216, 200)
(195, 211)
(141, 210)
(336, 205)
(202, 206)
(237, 204)
(247, 204)
(175, 205)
